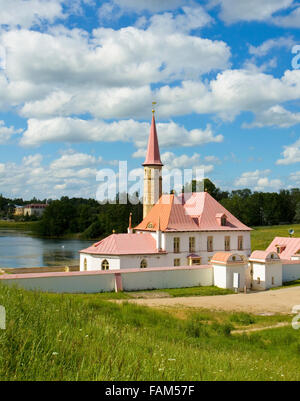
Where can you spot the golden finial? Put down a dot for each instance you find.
(153, 107)
(114, 231)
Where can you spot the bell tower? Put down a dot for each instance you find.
(152, 171)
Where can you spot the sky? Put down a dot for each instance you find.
(78, 78)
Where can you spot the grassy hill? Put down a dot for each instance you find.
(261, 237)
(83, 337)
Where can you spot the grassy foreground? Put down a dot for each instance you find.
(261, 237)
(83, 337)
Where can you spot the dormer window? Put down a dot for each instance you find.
(149, 225)
(221, 219)
(280, 248)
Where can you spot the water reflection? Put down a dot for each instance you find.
(19, 249)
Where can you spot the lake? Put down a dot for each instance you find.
(18, 249)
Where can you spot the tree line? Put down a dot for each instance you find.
(94, 220)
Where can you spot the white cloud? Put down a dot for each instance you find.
(140, 5)
(251, 10)
(32, 178)
(291, 154)
(171, 161)
(74, 160)
(77, 130)
(7, 132)
(258, 180)
(291, 20)
(276, 116)
(295, 178)
(30, 12)
(107, 73)
(270, 44)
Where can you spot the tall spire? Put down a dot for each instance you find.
(153, 155)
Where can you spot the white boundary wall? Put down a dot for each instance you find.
(290, 271)
(105, 281)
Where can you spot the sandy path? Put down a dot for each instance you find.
(277, 301)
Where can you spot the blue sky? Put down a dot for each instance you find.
(77, 80)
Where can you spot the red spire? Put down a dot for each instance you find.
(153, 155)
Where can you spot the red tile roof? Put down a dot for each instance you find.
(153, 155)
(124, 244)
(192, 212)
(291, 245)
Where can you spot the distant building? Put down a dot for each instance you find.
(19, 211)
(34, 209)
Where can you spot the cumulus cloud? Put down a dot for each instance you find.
(258, 180)
(291, 154)
(292, 20)
(107, 73)
(71, 160)
(108, 9)
(270, 44)
(72, 174)
(251, 10)
(77, 130)
(276, 116)
(28, 13)
(171, 161)
(7, 132)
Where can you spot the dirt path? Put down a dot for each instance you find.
(277, 301)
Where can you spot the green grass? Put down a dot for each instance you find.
(294, 283)
(176, 292)
(83, 337)
(261, 237)
(18, 225)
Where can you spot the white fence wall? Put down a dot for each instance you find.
(290, 272)
(94, 282)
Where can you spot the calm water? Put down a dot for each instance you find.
(19, 249)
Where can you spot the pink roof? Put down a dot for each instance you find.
(153, 155)
(292, 246)
(263, 255)
(124, 244)
(193, 212)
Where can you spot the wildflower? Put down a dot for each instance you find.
(54, 353)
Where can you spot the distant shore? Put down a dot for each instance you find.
(30, 226)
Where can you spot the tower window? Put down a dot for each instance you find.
(176, 262)
(176, 245)
(192, 244)
(85, 265)
(143, 264)
(105, 265)
(240, 243)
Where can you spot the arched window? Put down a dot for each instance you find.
(85, 265)
(143, 264)
(105, 265)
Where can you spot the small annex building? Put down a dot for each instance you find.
(229, 270)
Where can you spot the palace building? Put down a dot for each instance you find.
(182, 230)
